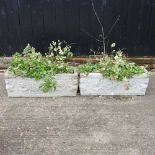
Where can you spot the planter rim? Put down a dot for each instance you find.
(99, 74)
(8, 75)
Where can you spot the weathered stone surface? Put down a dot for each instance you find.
(95, 84)
(67, 85)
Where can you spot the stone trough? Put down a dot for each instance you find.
(67, 85)
(95, 84)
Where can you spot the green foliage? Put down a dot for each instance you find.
(49, 83)
(114, 67)
(33, 64)
(88, 68)
(117, 68)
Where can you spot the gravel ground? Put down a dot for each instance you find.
(78, 125)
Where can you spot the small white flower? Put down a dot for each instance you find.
(61, 52)
(52, 54)
(113, 45)
(116, 57)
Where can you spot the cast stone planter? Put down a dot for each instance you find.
(67, 85)
(95, 84)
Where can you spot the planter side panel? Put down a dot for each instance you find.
(67, 85)
(95, 84)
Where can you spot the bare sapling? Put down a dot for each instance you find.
(104, 36)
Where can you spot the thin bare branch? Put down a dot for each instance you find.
(96, 14)
(102, 27)
(103, 37)
(112, 27)
(90, 35)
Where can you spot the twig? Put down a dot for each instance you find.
(102, 27)
(103, 35)
(90, 35)
(112, 27)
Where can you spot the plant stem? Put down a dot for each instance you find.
(102, 27)
(112, 27)
(90, 35)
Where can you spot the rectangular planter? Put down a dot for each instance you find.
(67, 85)
(95, 84)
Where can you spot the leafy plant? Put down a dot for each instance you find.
(49, 83)
(117, 68)
(89, 68)
(114, 67)
(59, 51)
(33, 64)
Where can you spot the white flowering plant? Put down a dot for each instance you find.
(59, 50)
(114, 66)
(33, 64)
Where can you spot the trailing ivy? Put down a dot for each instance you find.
(88, 68)
(33, 64)
(114, 67)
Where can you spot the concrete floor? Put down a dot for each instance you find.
(77, 125)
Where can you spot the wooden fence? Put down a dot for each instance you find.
(40, 21)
